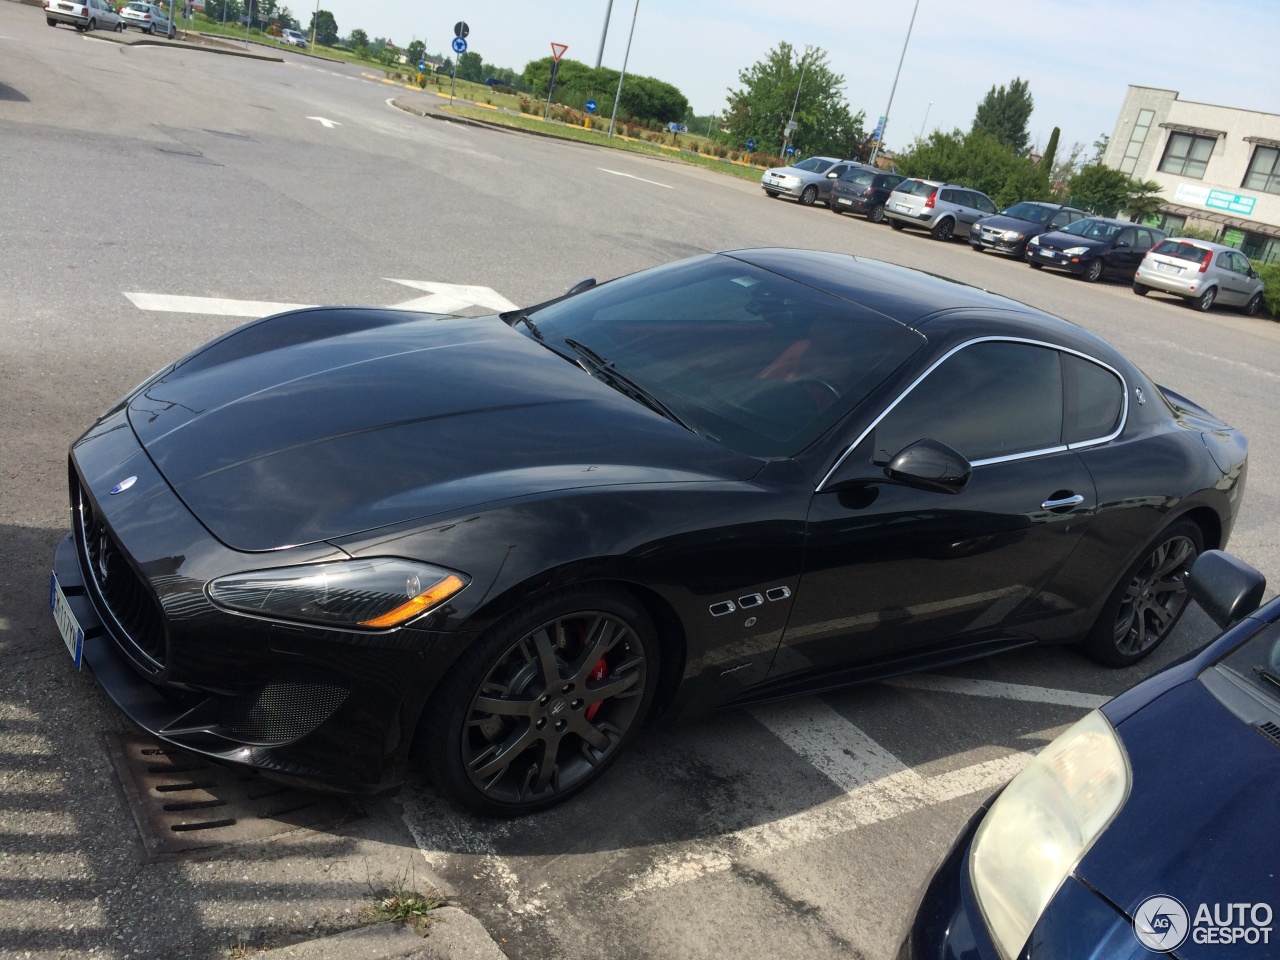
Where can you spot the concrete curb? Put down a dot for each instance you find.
(173, 44)
(453, 934)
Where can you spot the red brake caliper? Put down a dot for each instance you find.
(600, 671)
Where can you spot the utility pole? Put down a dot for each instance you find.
(876, 149)
(315, 22)
(623, 74)
(608, 12)
(804, 62)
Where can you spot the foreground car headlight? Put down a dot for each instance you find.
(377, 593)
(1042, 824)
(1075, 251)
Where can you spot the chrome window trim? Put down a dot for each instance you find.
(1124, 405)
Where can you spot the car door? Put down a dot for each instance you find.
(832, 175)
(1122, 258)
(1234, 286)
(891, 568)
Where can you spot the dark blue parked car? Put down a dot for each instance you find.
(1150, 827)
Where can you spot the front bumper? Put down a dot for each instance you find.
(1057, 259)
(312, 706)
(983, 241)
(1077, 923)
(786, 189)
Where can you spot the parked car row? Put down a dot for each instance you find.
(1043, 234)
(89, 15)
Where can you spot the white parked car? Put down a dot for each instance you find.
(1201, 272)
(148, 18)
(84, 15)
(293, 37)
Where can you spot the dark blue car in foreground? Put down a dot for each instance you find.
(1150, 827)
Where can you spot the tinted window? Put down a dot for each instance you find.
(989, 400)
(861, 178)
(1128, 235)
(837, 170)
(1060, 219)
(1031, 212)
(917, 188)
(813, 165)
(952, 196)
(1145, 240)
(888, 182)
(1094, 398)
(1092, 229)
(749, 358)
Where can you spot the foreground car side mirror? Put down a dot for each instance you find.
(1227, 588)
(930, 465)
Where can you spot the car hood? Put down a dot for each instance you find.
(1199, 823)
(1001, 222)
(324, 423)
(1057, 240)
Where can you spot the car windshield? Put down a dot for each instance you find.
(1093, 229)
(859, 178)
(917, 188)
(1257, 663)
(750, 359)
(1182, 250)
(1031, 212)
(813, 165)
(138, 7)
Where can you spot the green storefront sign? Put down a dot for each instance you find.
(1230, 202)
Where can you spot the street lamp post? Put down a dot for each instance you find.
(608, 12)
(627, 56)
(926, 120)
(876, 149)
(315, 22)
(804, 62)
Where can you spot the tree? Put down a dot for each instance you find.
(359, 40)
(416, 51)
(978, 160)
(1003, 113)
(471, 67)
(1051, 150)
(1143, 199)
(1100, 147)
(1100, 190)
(643, 98)
(761, 108)
(1063, 170)
(325, 27)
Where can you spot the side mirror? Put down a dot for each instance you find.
(1122, 245)
(930, 465)
(581, 285)
(832, 176)
(1228, 589)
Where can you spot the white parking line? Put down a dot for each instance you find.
(1002, 691)
(619, 173)
(848, 757)
(211, 306)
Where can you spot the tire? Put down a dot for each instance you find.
(976, 247)
(1093, 272)
(150, 30)
(834, 208)
(943, 229)
(1149, 600)
(1252, 308)
(808, 196)
(1035, 266)
(897, 224)
(1141, 289)
(876, 213)
(514, 727)
(50, 21)
(772, 194)
(1204, 302)
(120, 26)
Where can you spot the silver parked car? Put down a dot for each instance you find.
(148, 18)
(84, 15)
(944, 209)
(1201, 272)
(808, 181)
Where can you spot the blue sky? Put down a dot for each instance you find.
(1078, 55)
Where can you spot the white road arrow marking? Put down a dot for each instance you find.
(629, 176)
(451, 297)
(329, 124)
(211, 306)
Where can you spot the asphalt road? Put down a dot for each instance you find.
(129, 175)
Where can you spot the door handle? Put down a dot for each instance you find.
(1064, 502)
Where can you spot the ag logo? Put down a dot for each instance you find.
(1160, 923)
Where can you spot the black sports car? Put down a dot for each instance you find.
(337, 534)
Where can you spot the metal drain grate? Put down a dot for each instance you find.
(181, 802)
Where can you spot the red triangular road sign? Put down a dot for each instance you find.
(558, 49)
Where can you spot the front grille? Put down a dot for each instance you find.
(279, 712)
(138, 621)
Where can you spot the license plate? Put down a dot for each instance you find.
(1047, 254)
(72, 632)
(902, 207)
(843, 200)
(1168, 268)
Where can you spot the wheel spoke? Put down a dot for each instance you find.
(601, 638)
(498, 757)
(589, 732)
(505, 706)
(548, 768)
(1173, 556)
(615, 686)
(545, 649)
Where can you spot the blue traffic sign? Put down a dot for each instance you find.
(422, 66)
(459, 45)
(751, 144)
(790, 151)
(591, 106)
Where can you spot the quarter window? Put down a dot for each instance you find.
(992, 399)
(1187, 155)
(1264, 170)
(1094, 400)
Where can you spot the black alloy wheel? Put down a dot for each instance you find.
(1093, 272)
(809, 195)
(943, 229)
(1204, 301)
(1141, 289)
(542, 704)
(1254, 305)
(1149, 599)
(876, 213)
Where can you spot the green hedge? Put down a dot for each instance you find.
(1270, 274)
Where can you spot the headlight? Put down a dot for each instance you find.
(1012, 235)
(1075, 251)
(1035, 240)
(1042, 824)
(382, 592)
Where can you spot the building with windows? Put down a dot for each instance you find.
(1218, 167)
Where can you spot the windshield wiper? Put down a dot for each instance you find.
(519, 317)
(1266, 675)
(606, 371)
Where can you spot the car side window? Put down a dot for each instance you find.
(991, 399)
(1060, 219)
(1129, 235)
(948, 196)
(983, 203)
(838, 171)
(1094, 400)
(1240, 264)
